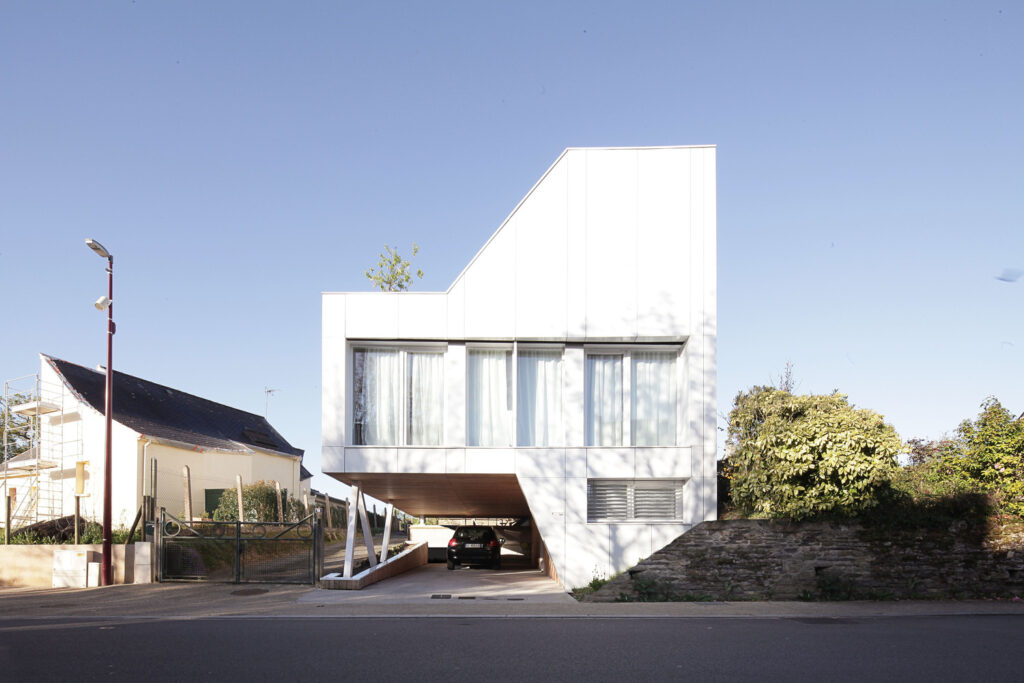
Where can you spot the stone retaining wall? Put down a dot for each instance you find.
(765, 560)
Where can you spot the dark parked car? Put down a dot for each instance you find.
(474, 545)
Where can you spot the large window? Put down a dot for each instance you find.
(651, 390)
(489, 397)
(603, 402)
(398, 397)
(653, 402)
(634, 500)
(539, 402)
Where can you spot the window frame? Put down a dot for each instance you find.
(404, 350)
(626, 351)
(512, 389)
(543, 348)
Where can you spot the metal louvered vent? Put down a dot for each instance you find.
(632, 500)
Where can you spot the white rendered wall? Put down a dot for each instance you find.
(208, 469)
(611, 246)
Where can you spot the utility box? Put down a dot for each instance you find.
(71, 568)
(143, 563)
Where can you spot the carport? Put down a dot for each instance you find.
(460, 496)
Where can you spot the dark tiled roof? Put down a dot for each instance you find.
(304, 474)
(164, 413)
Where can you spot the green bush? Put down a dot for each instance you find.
(802, 456)
(259, 504)
(986, 457)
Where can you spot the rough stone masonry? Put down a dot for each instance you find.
(769, 560)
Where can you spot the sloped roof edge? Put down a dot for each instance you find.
(164, 413)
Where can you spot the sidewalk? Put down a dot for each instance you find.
(199, 600)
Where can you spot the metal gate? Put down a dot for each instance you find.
(239, 552)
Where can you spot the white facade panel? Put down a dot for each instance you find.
(421, 460)
(540, 241)
(588, 545)
(576, 500)
(663, 463)
(576, 462)
(614, 247)
(423, 316)
(663, 240)
(371, 315)
(611, 463)
(627, 545)
(540, 462)
(455, 461)
(371, 460)
(611, 244)
(576, 245)
(491, 460)
(332, 458)
(490, 288)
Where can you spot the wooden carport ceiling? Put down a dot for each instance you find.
(445, 495)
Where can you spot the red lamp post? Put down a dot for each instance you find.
(107, 302)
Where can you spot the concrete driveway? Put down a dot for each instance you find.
(435, 584)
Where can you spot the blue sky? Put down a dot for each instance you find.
(238, 158)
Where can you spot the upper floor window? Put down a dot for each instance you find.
(603, 399)
(539, 403)
(650, 387)
(398, 397)
(489, 397)
(653, 401)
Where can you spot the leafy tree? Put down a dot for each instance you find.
(800, 456)
(990, 456)
(393, 273)
(17, 429)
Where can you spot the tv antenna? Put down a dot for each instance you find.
(266, 400)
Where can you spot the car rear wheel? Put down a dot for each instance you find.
(496, 564)
(451, 565)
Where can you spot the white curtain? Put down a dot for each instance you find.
(540, 398)
(488, 398)
(603, 400)
(654, 399)
(377, 385)
(426, 399)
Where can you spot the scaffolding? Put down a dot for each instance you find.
(42, 443)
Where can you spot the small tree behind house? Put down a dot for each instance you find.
(393, 273)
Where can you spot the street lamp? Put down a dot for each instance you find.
(107, 302)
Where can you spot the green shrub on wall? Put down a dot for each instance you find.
(800, 456)
(987, 457)
(259, 504)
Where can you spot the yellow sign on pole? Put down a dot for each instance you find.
(80, 478)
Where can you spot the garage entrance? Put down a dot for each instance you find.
(446, 501)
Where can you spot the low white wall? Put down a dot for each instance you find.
(32, 565)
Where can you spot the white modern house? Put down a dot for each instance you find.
(157, 433)
(567, 375)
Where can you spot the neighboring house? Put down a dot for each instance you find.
(152, 423)
(567, 375)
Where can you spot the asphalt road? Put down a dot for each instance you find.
(933, 648)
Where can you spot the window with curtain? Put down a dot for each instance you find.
(653, 401)
(489, 397)
(425, 399)
(603, 399)
(539, 402)
(632, 500)
(377, 396)
(384, 380)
